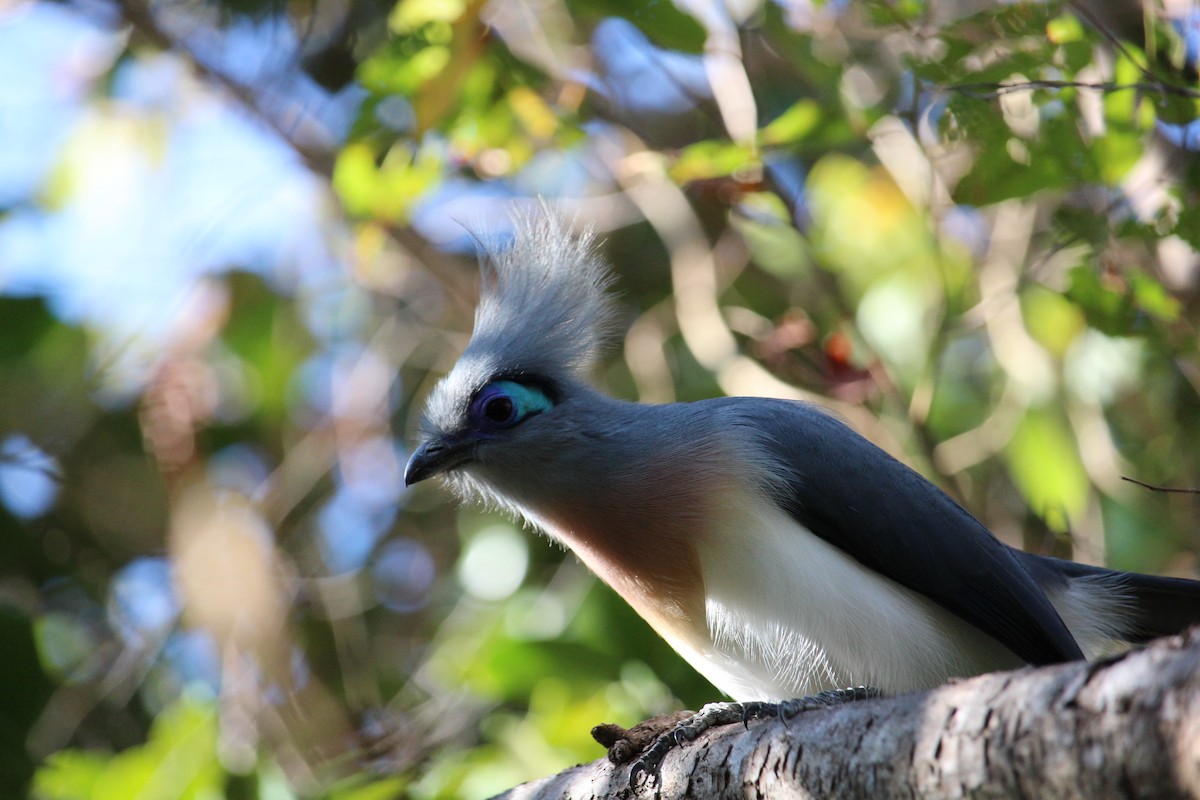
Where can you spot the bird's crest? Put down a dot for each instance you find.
(544, 307)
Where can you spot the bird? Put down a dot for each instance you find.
(778, 551)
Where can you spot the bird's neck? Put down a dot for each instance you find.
(640, 524)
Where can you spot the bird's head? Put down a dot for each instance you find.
(518, 389)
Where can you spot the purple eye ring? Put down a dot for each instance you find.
(499, 409)
(494, 408)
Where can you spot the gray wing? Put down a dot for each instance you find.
(886, 516)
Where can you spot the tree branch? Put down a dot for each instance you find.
(311, 145)
(1128, 727)
(990, 89)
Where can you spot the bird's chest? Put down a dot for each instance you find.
(643, 536)
(789, 614)
(759, 605)
(646, 552)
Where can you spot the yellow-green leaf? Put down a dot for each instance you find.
(1047, 469)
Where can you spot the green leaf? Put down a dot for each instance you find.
(65, 646)
(775, 244)
(1187, 227)
(1134, 540)
(711, 159)
(793, 125)
(1065, 28)
(1052, 319)
(26, 322)
(355, 179)
(178, 762)
(1120, 147)
(1107, 310)
(970, 54)
(386, 789)
(1046, 467)
(966, 387)
(70, 775)
(410, 15)
(1151, 296)
(1120, 305)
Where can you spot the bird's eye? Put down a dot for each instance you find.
(502, 404)
(499, 410)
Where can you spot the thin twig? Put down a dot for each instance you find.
(997, 89)
(1153, 488)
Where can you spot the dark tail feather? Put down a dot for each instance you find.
(1161, 606)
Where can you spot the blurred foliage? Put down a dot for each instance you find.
(973, 233)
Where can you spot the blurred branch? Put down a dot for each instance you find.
(317, 156)
(1126, 727)
(696, 290)
(990, 89)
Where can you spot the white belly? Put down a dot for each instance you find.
(789, 614)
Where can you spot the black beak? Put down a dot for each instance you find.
(437, 456)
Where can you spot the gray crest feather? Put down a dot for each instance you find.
(544, 310)
(544, 304)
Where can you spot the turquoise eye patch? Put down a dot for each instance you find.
(527, 399)
(502, 404)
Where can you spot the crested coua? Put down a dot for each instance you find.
(778, 551)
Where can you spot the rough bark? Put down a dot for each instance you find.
(1128, 727)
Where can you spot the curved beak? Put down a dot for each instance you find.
(437, 456)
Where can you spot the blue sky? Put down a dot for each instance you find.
(118, 198)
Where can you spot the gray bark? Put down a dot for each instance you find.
(1128, 727)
